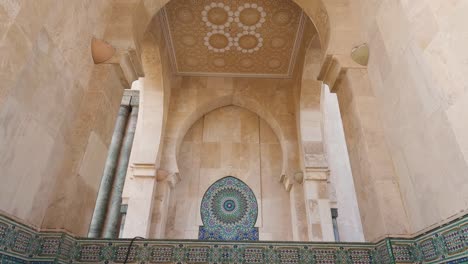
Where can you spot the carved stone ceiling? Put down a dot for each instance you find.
(257, 38)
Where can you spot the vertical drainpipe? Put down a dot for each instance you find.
(110, 227)
(99, 215)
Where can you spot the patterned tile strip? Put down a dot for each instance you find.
(20, 244)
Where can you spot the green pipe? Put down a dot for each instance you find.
(99, 215)
(110, 227)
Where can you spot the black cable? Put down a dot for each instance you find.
(130, 247)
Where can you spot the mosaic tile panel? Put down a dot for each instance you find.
(50, 246)
(384, 253)
(402, 253)
(197, 254)
(325, 256)
(162, 254)
(66, 249)
(229, 211)
(20, 244)
(289, 255)
(3, 230)
(428, 249)
(360, 256)
(90, 253)
(254, 255)
(123, 250)
(453, 241)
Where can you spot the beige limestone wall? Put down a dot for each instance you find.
(82, 160)
(230, 141)
(418, 74)
(56, 110)
(271, 99)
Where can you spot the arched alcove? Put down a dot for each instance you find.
(230, 140)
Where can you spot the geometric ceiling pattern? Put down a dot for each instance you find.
(256, 38)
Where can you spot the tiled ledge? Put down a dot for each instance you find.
(21, 244)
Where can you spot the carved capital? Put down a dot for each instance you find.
(334, 68)
(131, 67)
(128, 60)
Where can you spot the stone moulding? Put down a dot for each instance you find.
(21, 244)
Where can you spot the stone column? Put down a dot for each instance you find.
(99, 215)
(111, 228)
(377, 184)
(317, 203)
(314, 163)
(341, 181)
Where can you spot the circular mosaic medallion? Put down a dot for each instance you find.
(250, 16)
(217, 15)
(229, 204)
(218, 41)
(248, 42)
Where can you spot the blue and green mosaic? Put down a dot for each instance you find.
(229, 211)
(21, 244)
